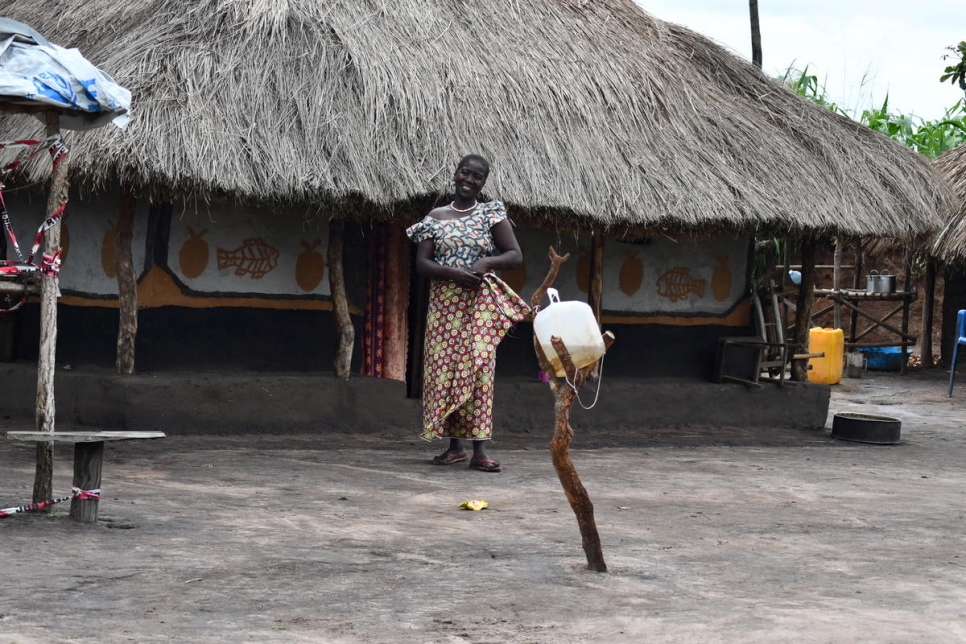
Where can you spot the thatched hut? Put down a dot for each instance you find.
(603, 122)
(950, 245)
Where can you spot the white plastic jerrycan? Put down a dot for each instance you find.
(574, 323)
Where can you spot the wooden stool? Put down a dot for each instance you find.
(88, 459)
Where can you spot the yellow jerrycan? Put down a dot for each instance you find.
(575, 324)
(826, 370)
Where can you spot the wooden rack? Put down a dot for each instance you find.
(854, 299)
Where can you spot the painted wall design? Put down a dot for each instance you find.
(662, 277)
(225, 248)
(87, 234)
(310, 266)
(194, 253)
(254, 258)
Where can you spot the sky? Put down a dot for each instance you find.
(860, 50)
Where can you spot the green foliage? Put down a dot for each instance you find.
(808, 85)
(768, 254)
(930, 138)
(956, 74)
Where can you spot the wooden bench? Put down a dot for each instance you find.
(88, 460)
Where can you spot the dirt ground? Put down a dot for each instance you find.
(709, 536)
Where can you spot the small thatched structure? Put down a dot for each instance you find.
(594, 111)
(950, 245)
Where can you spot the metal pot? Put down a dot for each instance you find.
(875, 283)
(887, 284)
(872, 282)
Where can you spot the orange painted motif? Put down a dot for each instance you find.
(678, 283)
(193, 257)
(721, 279)
(632, 274)
(310, 266)
(254, 258)
(107, 250)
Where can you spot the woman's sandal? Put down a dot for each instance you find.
(487, 465)
(447, 458)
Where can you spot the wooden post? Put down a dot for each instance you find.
(755, 33)
(595, 291)
(856, 283)
(127, 290)
(49, 292)
(564, 396)
(907, 302)
(928, 301)
(803, 306)
(836, 281)
(340, 301)
(88, 461)
(596, 287)
(787, 243)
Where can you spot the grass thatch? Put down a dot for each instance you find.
(593, 109)
(950, 244)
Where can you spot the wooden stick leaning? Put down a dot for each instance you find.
(564, 396)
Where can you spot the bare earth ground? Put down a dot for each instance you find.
(710, 536)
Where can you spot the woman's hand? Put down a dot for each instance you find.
(482, 266)
(467, 278)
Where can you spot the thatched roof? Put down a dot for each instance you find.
(593, 110)
(951, 243)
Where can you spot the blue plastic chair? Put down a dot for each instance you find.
(960, 340)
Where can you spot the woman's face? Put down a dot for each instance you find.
(469, 179)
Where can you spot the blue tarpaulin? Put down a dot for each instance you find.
(35, 71)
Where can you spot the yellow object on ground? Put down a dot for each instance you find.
(828, 369)
(476, 506)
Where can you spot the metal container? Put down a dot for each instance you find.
(872, 282)
(854, 364)
(876, 283)
(887, 284)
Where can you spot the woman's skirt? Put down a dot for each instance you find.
(463, 329)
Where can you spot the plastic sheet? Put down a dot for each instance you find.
(33, 70)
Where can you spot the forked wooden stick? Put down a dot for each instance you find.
(563, 433)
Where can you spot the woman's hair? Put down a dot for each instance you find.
(475, 157)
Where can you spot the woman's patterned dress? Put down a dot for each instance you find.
(464, 327)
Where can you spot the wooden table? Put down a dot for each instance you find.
(853, 299)
(88, 460)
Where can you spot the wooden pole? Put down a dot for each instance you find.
(859, 264)
(564, 396)
(836, 280)
(88, 462)
(595, 291)
(127, 290)
(340, 301)
(907, 301)
(928, 302)
(49, 292)
(803, 305)
(755, 33)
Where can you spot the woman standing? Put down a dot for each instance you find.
(470, 310)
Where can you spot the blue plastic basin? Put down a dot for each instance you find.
(882, 358)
